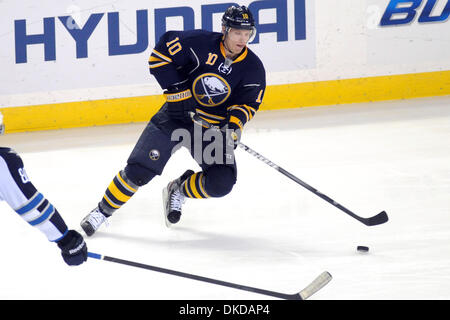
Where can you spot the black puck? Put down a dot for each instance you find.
(362, 248)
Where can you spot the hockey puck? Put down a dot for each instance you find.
(362, 249)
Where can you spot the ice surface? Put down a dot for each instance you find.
(269, 232)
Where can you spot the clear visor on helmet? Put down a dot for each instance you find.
(251, 29)
(252, 34)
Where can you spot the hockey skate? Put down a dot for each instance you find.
(93, 221)
(173, 199)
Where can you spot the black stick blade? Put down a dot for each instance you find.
(380, 218)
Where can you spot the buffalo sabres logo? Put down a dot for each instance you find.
(154, 154)
(211, 89)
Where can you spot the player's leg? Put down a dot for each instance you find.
(148, 158)
(173, 198)
(215, 180)
(31, 205)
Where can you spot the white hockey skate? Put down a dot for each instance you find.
(173, 199)
(93, 221)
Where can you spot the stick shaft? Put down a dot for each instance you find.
(372, 221)
(382, 217)
(294, 178)
(196, 277)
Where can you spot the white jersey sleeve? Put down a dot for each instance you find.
(31, 205)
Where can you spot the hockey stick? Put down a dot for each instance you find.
(308, 291)
(380, 218)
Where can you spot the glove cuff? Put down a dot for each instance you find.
(178, 96)
(71, 243)
(236, 132)
(233, 125)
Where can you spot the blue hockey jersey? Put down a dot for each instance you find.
(223, 88)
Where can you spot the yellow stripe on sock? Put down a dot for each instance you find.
(117, 193)
(186, 189)
(201, 185)
(126, 184)
(110, 203)
(192, 185)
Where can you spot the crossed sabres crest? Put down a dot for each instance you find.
(214, 88)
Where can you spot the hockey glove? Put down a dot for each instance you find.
(73, 248)
(235, 134)
(180, 103)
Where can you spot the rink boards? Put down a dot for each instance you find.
(72, 65)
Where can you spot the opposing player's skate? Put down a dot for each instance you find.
(173, 199)
(93, 221)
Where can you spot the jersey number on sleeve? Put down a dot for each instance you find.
(174, 46)
(23, 175)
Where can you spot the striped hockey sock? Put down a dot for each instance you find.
(120, 190)
(194, 186)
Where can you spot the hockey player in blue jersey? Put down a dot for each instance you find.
(210, 74)
(31, 205)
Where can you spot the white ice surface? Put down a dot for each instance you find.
(269, 232)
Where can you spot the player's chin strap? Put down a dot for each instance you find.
(380, 218)
(223, 40)
(226, 47)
